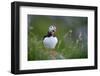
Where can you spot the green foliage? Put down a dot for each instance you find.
(70, 45)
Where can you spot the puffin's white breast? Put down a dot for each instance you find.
(50, 42)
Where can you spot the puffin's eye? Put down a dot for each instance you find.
(53, 31)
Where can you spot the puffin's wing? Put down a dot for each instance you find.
(56, 40)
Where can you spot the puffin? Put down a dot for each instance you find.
(50, 40)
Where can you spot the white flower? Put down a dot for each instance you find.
(70, 31)
(80, 36)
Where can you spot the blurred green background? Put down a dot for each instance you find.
(71, 33)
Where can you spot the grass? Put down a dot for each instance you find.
(71, 45)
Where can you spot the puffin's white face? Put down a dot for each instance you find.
(52, 28)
